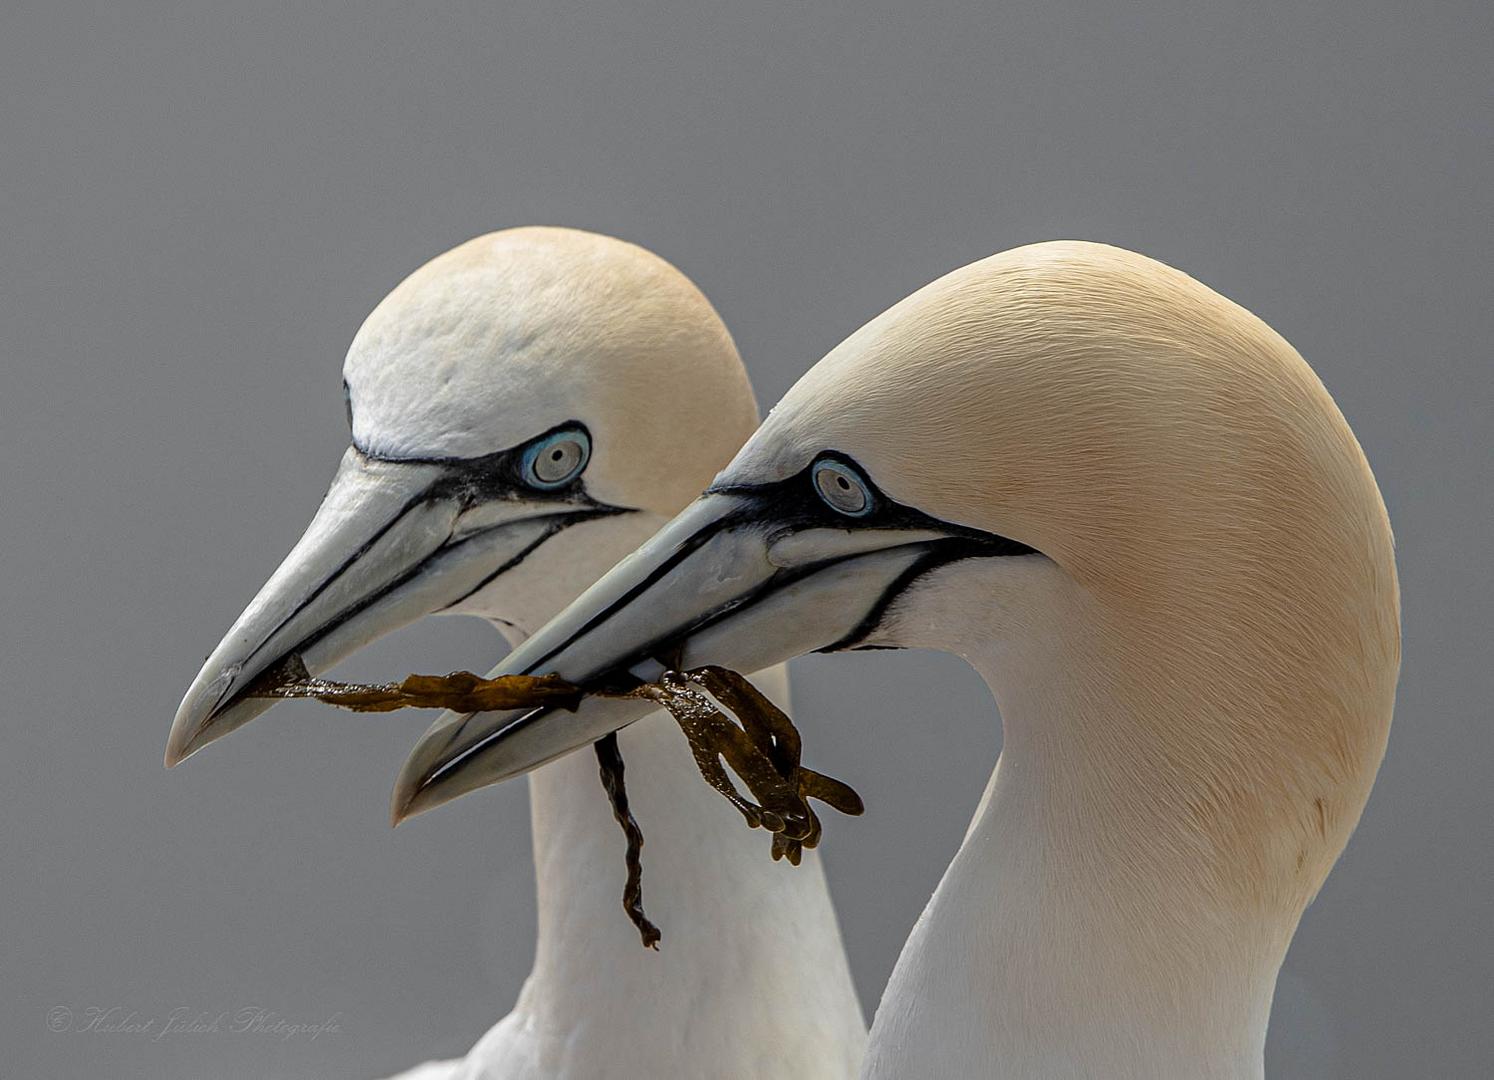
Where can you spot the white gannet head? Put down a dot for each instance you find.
(525, 409)
(1066, 427)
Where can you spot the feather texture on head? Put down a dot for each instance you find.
(521, 330)
(1179, 461)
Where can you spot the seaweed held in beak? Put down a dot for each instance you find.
(459, 691)
(763, 748)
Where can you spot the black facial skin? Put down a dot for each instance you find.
(497, 476)
(776, 509)
(791, 505)
(797, 505)
(470, 482)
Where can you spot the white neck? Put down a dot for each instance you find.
(1073, 935)
(750, 980)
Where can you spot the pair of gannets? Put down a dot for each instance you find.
(1128, 503)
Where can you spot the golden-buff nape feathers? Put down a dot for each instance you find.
(1182, 463)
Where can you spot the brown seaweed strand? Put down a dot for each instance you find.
(831, 792)
(782, 808)
(459, 691)
(770, 728)
(701, 725)
(776, 738)
(763, 751)
(773, 735)
(610, 763)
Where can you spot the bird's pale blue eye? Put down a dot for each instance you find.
(843, 490)
(557, 459)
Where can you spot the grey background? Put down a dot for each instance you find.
(198, 209)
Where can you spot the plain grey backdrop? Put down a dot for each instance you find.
(200, 206)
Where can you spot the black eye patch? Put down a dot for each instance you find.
(793, 504)
(495, 476)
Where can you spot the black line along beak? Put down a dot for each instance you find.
(392, 541)
(737, 579)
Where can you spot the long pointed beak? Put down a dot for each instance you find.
(723, 583)
(392, 541)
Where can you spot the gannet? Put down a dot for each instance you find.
(525, 409)
(1132, 507)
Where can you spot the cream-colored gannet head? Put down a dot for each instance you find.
(525, 409)
(1066, 448)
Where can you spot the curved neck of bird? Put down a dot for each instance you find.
(1121, 903)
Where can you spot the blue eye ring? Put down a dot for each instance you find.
(556, 459)
(841, 488)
